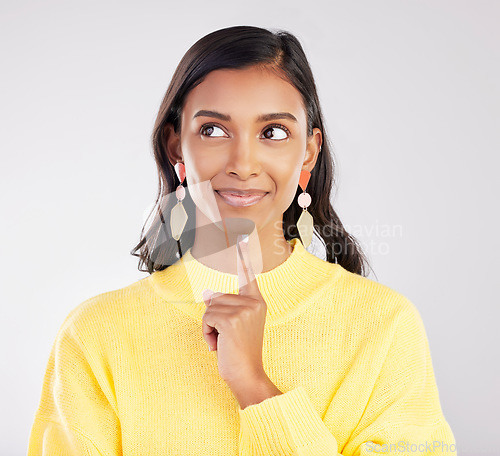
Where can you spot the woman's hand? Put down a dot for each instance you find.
(233, 324)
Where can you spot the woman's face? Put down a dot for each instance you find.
(240, 130)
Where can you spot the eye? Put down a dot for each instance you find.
(279, 127)
(210, 128)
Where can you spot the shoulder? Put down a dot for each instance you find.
(373, 301)
(103, 311)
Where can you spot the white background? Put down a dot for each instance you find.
(410, 95)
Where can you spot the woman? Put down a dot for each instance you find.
(256, 347)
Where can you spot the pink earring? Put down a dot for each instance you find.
(178, 215)
(305, 222)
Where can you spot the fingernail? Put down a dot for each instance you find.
(207, 294)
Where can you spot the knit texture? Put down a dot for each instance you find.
(130, 374)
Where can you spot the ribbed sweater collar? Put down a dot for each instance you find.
(284, 288)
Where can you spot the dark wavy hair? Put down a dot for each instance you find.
(243, 47)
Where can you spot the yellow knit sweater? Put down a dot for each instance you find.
(130, 374)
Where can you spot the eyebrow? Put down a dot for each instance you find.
(261, 118)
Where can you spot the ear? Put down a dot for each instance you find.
(172, 142)
(313, 147)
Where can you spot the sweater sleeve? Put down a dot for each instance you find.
(286, 424)
(77, 411)
(403, 413)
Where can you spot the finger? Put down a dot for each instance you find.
(247, 283)
(209, 332)
(207, 296)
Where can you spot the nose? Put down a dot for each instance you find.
(243, 160)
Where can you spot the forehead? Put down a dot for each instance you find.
(245, 93)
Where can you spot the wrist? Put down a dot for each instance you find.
(253, 389)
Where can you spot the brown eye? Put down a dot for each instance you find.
(210, 128)
(272, 135)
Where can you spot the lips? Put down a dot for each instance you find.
(241, 191)
(240, 198)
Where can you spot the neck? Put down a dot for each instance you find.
(215, 246)
(284, 288)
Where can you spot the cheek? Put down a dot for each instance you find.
(203, 197)
(286, 188)
(200, 167)
(199, 174)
